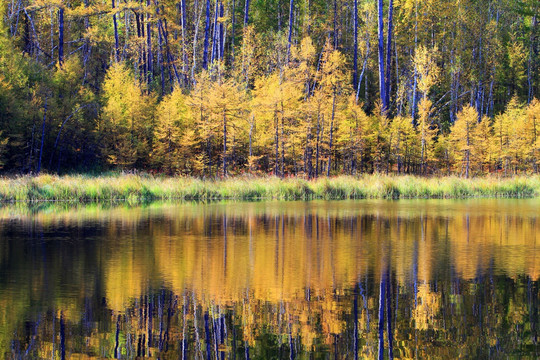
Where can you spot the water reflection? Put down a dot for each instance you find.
(368, 279)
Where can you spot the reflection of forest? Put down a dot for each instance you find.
(450, 278)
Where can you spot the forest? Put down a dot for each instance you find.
(310, 88)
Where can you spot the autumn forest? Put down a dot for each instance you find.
(291, 88)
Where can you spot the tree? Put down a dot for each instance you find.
(507, 129)
(463, 138)
(385, 55)
(226, 106)
(426, 134)
(173, 122)
(333, 83)
(402, 140)
(533, 130)
(351, 136)
(126, 123)
(277, 100)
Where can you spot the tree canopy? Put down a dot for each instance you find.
(307, 88)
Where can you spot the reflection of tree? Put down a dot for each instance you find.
(271, 280)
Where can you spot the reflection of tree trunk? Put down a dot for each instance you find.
(117, 338)
(207, 335)
(382, 290)
(184, 333)
(355, 319)
(389, 315)
(62, 337)
(150, 322)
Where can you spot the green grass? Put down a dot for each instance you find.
(83, 188)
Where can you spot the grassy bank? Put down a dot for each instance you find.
(145, 187)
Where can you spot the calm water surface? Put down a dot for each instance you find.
(306, 280)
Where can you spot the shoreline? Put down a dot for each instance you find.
(144, 187)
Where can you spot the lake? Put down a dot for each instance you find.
(269, 280)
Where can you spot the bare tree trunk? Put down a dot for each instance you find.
(115, 24)
(251, 141)
(282, 141)
(335, 26)
(355, 57)
(415, 84)
(222, 33)
(149, 43)
(61, 35)
(276, 141)
(380, 33)
(195, 41)
(364, 66)
(246, 15)
(291, 11)
(530, 62)
(42, 136)
(142, 53)
(331, 134)
(183, 23)
(467, 153)
(233, 23)
(160, 50)
(215, 35)
(389, 55)
(224, 143)
(317, 144)
(170, 58)
(206, 36)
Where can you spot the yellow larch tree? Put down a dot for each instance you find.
(402, 139)
(377, 138)
(227, 105)
(533, 119)
(351, 136)
(532, 133)
(482, 159)
(508, 138)
(199, 105)
(333, 84)
(428, 74)
(173, 134)
(463, 139)
(426, 134)
(126, 122)
(277, 101)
